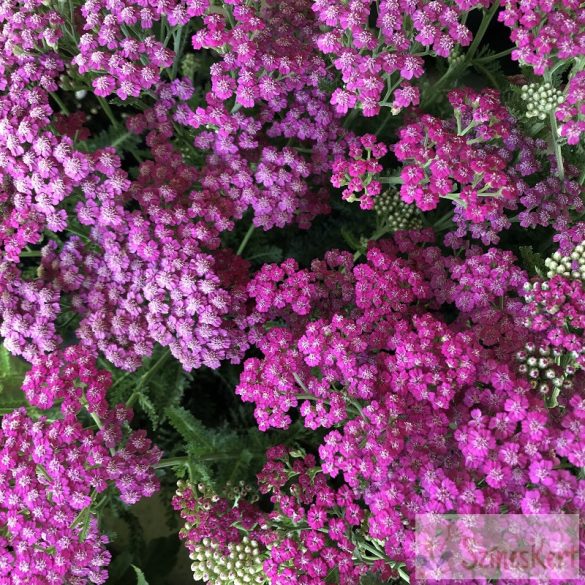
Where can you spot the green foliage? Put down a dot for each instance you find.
(12, 373)
(532, 261)
(140, 578)
(149, 561)
(118, 137)
(490, 70)
(220, 457)
(160, 558)
(158, 384)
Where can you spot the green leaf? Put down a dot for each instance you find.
(148, 407)
(161, 557)
(119, 566)
(140, 578)
(158, 384)
(403, 574)
(190, 429)
(533, 261)
(12, 373)
(117, 137)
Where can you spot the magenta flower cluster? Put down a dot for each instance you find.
(357, 174)
(52, 470)
(545, 32)
(413, 374)
(469, 432)
(485, 164)
(308, 534)
(377, 64)
(571, 113)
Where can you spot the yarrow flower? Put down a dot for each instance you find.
(52, 469)
(310, 532)
(571, 113)
(545, 32)
(357, 173)
(482, 161)
(452, 392)
(385, 61)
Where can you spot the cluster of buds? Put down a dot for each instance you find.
(571, 266)
(541, 99)
(235, 564)
(239, 491)
(220, 536)
(456, 58)
(394, 213)
(541, 367)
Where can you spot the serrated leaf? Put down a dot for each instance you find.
(533, 261)
(190, 429)
(118, 137)
(268, 255)
(149, 408)
(140, 578)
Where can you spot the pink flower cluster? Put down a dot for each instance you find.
(545, 31)
(327, 517)
(28, 313)
(377, 65)
(255, 66)
(52, 469)
(422, 415)
(484, 163)
(37, 169)
(157, 276)
(127, 62)
(571, 113)
(309, 533)
(440, 156)
(357, 173)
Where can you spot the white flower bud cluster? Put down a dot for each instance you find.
(540, 367)
(242, 565)
(396, 214)
(571, 266)
(541, 99)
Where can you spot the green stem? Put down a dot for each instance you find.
(60, 103)
(178, 51)
(445, 220)
(350, 118)
(171, 462)
(245, 240)
(485, 22)
(495, 57)
(121, 139)
(106, 108)
(391, 180)
(153, 369)
(555, 135)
